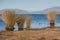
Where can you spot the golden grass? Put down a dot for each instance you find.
(28, 22)
(9, 18)
(20, 19)
(51, 15)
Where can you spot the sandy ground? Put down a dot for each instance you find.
(41, 34)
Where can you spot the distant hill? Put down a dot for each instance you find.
(57, 9)
(19, 11)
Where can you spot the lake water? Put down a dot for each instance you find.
(38, 21)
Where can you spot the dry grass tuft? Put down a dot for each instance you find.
(9, 18)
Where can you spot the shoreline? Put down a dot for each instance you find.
(48, 33)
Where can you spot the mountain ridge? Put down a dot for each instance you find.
(19, 11)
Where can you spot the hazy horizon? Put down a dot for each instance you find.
(29, 5)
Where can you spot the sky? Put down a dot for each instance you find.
(29, 5)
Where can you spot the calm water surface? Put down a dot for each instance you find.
(38, 21)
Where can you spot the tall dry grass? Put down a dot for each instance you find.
(51, 17)
(28, 22)
(9, 18)
(20, 19)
